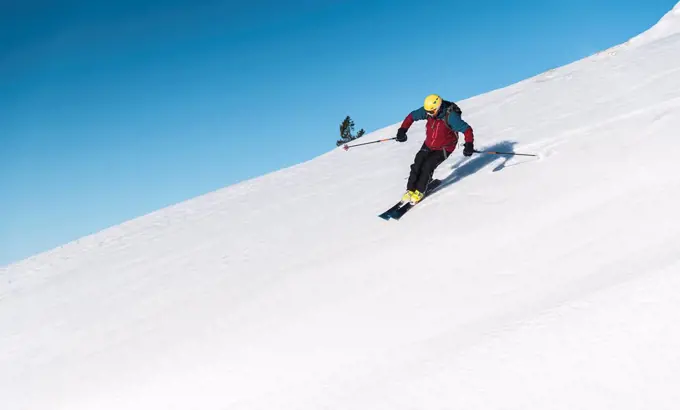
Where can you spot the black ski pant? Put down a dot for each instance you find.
(424, 164)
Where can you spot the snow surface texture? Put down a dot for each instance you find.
(521, 284)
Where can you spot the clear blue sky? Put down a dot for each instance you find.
(113, 109)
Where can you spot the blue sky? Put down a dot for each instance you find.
(113, 109)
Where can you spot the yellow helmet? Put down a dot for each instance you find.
(432, 103)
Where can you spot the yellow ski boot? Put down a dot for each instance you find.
(407, 196)
(416, 197)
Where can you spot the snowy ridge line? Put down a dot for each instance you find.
(667, 26)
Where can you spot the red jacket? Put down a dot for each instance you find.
(440, 132)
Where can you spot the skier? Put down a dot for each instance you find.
(444, 122)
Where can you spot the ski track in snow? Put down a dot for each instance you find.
(520, 283)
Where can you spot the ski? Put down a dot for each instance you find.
(400, 208)
(434, 184)
(388, 214)
(401, 211)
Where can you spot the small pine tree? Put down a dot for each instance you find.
(346, 129)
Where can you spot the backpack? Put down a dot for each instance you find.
(452, 107)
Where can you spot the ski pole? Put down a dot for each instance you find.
(504, 153)
(347, 147)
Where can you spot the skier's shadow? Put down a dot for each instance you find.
(464, 168)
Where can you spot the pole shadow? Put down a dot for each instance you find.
(464, 169)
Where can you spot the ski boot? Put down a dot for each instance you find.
(407, 196)
(416, 197)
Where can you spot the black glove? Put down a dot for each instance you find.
(401, 135)
(469, 149)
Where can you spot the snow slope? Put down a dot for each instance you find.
(522, 284)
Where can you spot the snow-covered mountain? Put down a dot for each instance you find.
(524, 283)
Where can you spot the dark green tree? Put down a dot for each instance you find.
(346, 130)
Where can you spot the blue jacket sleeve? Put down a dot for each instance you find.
(457, 123)
(419, 114)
